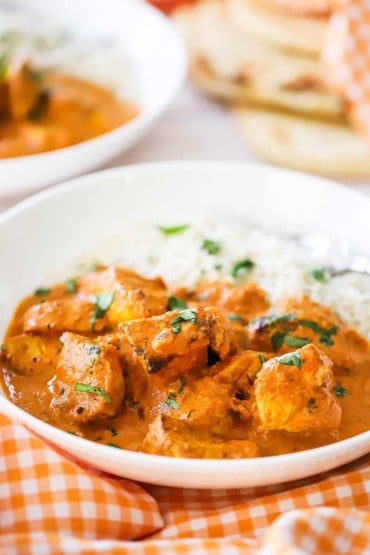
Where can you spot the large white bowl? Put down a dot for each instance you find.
(50, 229)
(157, 57)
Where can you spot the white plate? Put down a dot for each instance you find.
(51, 228)
(158, 61)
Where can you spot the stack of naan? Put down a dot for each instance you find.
(264, 61)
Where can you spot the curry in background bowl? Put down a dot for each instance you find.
(42, 110)
(79, 84)
(58, 88)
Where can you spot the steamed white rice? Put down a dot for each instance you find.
(98, 58)
(282, 267)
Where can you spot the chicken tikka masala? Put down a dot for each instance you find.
(42, 110)
(211, 371)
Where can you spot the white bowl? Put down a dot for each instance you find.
(50, 229)
(157, 57)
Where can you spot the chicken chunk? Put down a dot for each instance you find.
(134, 296)
(29, 354)
(64, 315)
(298, 321)
(179, 342)
(240, 370)
(171, 437)
(25, 92)
(241, 303)
(136, 379)
(89, 383)
(294, 392)
(207, 405)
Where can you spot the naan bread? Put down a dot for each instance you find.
(305, 144)
(300, 34)
(239, 68)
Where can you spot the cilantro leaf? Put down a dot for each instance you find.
(293, 341)
(171, 401)
(277, 340)
(319, 274)
(241, 266)
(233, 316)
(189, 315)
(339, 390)
(211, 246)
(93, 350)
(174, 303)
(87, 388)
(174, 229)
(291, 359)
(41, 291)
(102, 302)
(71, 285)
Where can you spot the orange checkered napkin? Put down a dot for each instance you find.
(51, 506)
(347, 55)
(307, 7)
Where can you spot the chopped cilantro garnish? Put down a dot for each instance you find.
(272, 319)
(103, 302)
(319, 274)
(174, 303)
(3, 67)
(277, 340)
(236, 318)
(171, 401)
(71, 285)
(293, 341)
(291, 359)
(113, 445)
(174, 229)
(211, 246)
(87, 388)
(112, 430)
(339, 390)
(325, 334)
(311, 405)
(262, 357)
(189, 315)
(241, 266)
(182, 384)
(41, 105)
(218, 266)
(41, 291)
(93, 350)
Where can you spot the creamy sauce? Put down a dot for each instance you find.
(39, 114)
(128, 427)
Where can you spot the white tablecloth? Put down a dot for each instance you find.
(192, 128)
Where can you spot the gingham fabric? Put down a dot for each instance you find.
(50, 506)
(347, 55)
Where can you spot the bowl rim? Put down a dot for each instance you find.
(83, 180)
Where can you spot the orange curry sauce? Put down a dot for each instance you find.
(211, 372)
(42, 111)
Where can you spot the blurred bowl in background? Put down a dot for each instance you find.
(157, 61)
